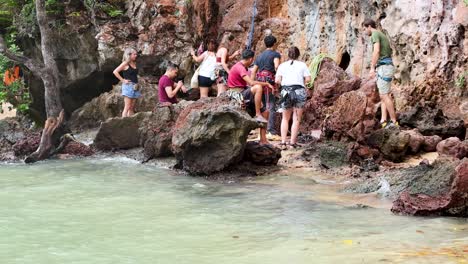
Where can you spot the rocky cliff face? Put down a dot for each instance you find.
(429, 39)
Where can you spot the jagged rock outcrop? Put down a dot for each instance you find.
(431, 121)
(110, 105)
(332, 82)
(210, 135)
(353, 114)
(452, 201)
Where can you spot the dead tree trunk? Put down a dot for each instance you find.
(47, 70)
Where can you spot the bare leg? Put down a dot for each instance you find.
(285, 124)
(383, 109)
(297, 116)
(127, 102)
(204, 92)
(263, 131)
(257, 92)
(387, 100)
(131, 109)
(221, 88)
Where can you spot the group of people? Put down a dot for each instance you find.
(262, 85)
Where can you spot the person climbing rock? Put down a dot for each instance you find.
(239, 80)
(167, 87)
(129, 79)
(222, 58)
(382, 64)
(292, 75)
(206, 74)
(264, 70)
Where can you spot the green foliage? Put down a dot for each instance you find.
(17, 94)
(460, 82)
(466, 2)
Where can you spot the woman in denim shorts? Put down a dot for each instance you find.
(292, 76)
(129, 79)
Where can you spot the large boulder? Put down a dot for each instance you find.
(120, 132)
(452, 202)
(210, 135)
(353, 114)
(110, 105)
(391, 142)
(156, 130)
(331, 82)
(432, 121)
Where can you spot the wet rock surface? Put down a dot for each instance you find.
(451, 201)
(210, 135)
(261, 154)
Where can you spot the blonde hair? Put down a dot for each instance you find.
(227, 37)
(127, 53)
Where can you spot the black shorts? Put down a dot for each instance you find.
(250, 102)
(204, 81)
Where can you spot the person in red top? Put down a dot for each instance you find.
(167, 88)
(239, 78)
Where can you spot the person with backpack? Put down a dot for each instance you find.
(264, 70)
(382, 66)
(292, 75)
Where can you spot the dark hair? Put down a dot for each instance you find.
(293, 53)
(269, 41)
(369, 22)
(211, 41)
(172, 66)
(247, 54)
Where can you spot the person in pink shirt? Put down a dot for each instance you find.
(168, 88)
(252, 91)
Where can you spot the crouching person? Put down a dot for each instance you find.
(168, 88)
(239, 80)
(292, 76)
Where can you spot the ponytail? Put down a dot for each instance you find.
(293, 53)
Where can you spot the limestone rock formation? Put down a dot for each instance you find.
(110, 104)
(120, 132)
(210, 135)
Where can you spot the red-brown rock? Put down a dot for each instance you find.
(453, 203)
(261, 154)
(430, 143)
(452, 146)
(77, 149)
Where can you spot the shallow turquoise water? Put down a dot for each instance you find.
(118, 211)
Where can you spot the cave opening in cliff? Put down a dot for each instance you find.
(345, 60)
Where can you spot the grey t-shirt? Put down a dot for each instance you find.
(265, 61)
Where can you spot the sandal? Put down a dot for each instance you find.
(283, 146)
(294, 146)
